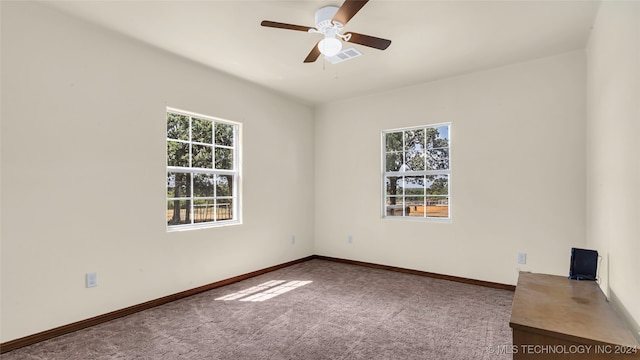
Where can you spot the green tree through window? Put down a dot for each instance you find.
(417, 172)
(202, 170)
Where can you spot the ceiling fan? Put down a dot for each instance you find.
(330, 22)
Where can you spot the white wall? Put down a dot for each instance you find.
(613, 152)
(518, 172)
(83, 173)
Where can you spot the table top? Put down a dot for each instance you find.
(575, 310)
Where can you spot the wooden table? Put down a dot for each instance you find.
(556, 318)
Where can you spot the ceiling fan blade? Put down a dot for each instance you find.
(314, 54)
(278, 25)
(348, 9)
(370, 41)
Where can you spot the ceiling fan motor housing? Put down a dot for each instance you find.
(324, 16)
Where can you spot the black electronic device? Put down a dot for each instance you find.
(584, 264)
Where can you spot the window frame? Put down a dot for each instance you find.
(235, 172)
(418, 173)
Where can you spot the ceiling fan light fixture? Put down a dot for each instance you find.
(330, 46)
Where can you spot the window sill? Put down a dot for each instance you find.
(418, 219)
(178, 228)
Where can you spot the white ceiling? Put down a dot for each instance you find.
(430, 39)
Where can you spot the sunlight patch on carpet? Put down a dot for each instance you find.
(251, 290)
(265, 291)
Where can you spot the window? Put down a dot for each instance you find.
(202, 171)
(416, 173)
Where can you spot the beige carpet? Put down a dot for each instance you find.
(335, 311)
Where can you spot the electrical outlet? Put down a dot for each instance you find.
(350, 239)
(91, 279)
(293, 239)
(522, 258)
